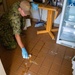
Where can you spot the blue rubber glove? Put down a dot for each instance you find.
(24, 53)
(34, 6)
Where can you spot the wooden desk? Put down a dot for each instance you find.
(49, 28)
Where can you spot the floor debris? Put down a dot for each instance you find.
(29, 61)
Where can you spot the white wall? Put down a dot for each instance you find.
(37, 14)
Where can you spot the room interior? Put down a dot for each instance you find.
(48, 57)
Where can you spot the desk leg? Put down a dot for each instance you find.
(49, 24)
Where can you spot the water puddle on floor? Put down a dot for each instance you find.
(67, 57)
(53, 52)
(27, 65)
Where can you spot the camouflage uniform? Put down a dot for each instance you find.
(11, 23)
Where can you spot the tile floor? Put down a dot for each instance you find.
(48, 58)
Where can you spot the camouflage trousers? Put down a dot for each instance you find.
(6, 35)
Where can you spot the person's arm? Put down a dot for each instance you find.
(19, 41)
(24, 51)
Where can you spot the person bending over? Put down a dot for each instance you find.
(11, 25)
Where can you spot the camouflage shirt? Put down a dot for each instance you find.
(17, 22)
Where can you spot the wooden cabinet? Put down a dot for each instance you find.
(10, 2)
(3, 6)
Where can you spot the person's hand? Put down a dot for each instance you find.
(34, 6)
(24, 53)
